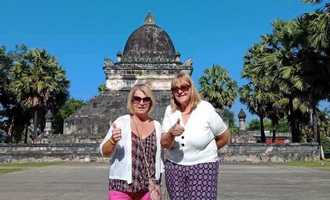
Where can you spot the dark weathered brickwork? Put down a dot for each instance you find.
(149, 56)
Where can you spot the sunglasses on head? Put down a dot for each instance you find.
(137, 99)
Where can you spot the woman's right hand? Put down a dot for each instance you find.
(116, 133)
(176, 129)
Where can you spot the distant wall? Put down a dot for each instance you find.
(49, 152)
(233, 153)
(277, 153)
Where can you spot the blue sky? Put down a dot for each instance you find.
(80, 34)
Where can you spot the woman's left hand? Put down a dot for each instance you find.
(222, 139)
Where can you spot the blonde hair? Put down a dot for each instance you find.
(184, 79)
(146, 90)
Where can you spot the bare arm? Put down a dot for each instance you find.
(223, 139)
(108, 148)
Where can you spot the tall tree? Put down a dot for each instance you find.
(39, 83)
(275, 67)
(5, 63)
(255, 101)
(13, 116)
(218, 88)
(315, 59)
(260, 93)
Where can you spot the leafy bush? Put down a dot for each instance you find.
(325, 142)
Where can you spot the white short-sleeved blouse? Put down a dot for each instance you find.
(197, 144)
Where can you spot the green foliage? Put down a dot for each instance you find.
(70, 106)
(12, 114)
(324, 128)
(35, 83)
(325, 142)
(229, 118)
(288, 73)
(254, 124)
(282, 126)
(218, 88)
(102, 88)
(5, 64)
(234, 130)
(37, 79)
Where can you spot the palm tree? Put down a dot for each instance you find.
(5, 63)
(315, 59)
(254, 100)
(38, 82)
(13, 116)
(292, 64)
(271, 67)
(218, 88)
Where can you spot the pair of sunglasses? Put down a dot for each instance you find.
(182, 88)
(137, 99)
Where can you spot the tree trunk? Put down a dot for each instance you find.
(293, 123)
(262, 129)
(274, 131)
(10, 131)
(26, 134)
(316, 132)
(35, 124)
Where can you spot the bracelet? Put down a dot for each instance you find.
(112, 142)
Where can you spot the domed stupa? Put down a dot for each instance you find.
(149, 43)
(149, 57)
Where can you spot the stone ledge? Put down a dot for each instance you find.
(233, 153)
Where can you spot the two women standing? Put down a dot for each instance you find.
(192, 132)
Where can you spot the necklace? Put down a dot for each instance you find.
(141, 127)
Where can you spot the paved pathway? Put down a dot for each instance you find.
(237, 182)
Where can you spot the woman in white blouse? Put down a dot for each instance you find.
(192, 133)
(133, 145)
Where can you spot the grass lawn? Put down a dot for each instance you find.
(320, 164)
(12, 167)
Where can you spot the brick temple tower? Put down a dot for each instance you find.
(149, 56)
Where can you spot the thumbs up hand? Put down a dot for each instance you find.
(176, 129)
(116, 133)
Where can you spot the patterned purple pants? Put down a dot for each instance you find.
(192, 182)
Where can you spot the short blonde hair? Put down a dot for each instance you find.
(147, 91)
(184, 79)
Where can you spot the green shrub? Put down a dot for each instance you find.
(325, 142)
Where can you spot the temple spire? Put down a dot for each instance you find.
(150, 19)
